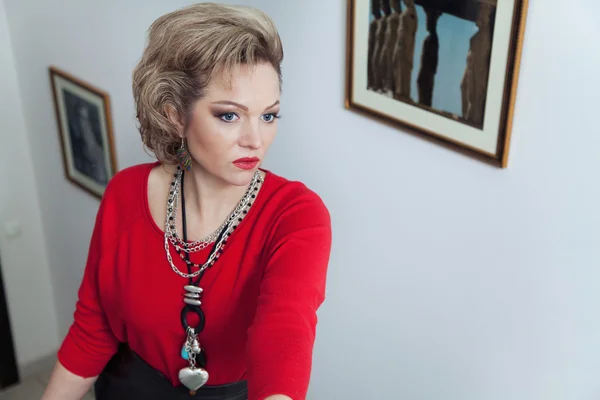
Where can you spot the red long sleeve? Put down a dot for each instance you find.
(260, 298)
(90, 342)
(281, 338)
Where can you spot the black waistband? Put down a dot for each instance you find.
(128, 377)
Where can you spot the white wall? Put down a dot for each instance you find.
(23, 257)
(449, 279)
(98, 42)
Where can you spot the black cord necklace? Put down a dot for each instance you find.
(194, 376)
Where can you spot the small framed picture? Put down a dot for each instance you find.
(85, 130)
(446, 69)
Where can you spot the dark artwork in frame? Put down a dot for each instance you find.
(86, 138)
(85, 132)
(444, 68)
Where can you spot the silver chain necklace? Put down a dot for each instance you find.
(189, 247)
(171, 233)
(198, 245)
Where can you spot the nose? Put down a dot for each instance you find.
(251, 136)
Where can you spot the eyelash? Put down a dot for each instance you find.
(221, 116)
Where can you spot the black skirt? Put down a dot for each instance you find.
(128, 377)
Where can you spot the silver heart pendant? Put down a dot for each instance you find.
(193, 379)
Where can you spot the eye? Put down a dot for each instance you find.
(228, 117)
(269, 118)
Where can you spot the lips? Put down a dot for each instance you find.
(246, 162)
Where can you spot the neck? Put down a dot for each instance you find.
(208, 200)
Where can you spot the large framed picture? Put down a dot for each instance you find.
(85, 130)
(446, 69)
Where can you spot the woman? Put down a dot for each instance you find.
(204, 271)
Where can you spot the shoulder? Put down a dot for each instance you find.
(127, 178)
(124, 194)
(294, 207)
(299, 239)
(120, 206)
(285, 195)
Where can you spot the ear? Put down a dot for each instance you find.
(175, 119)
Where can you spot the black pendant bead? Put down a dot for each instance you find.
(195, 309)
(201, 359)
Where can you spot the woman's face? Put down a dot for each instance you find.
(232, 126)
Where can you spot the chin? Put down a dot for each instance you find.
(241, 177)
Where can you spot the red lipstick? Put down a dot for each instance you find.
(246, 163)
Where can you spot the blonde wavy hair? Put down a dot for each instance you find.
(184, 51)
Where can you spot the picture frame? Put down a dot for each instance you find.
(445, 70)
(83, 116)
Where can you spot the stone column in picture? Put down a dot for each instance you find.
(404, 51)
(429, 59)
(379, 39)
(376, 12)
(475, 79)
(393, 22)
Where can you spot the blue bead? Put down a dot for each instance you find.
(184, 354)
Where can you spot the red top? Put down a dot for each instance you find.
(260, 298)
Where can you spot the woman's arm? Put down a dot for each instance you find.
(65, 385)
(282, 333)
(90, 342)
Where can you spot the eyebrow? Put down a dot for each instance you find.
(238, 105)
